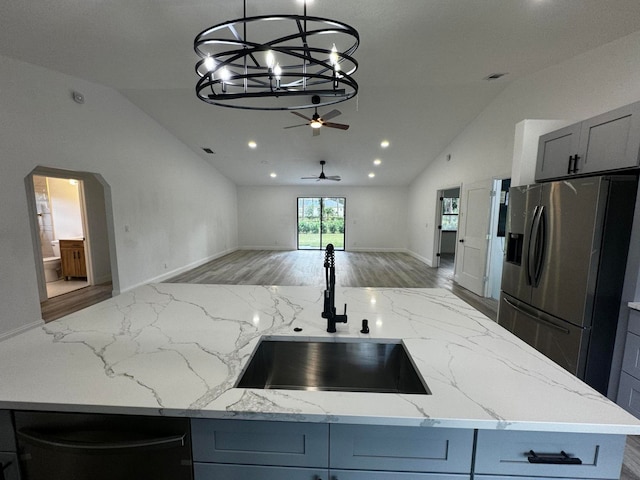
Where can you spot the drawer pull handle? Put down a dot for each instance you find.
(553, 458)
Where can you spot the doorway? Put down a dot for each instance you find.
(72, 234)
(321, 221)
(61, 227)
(447, 221)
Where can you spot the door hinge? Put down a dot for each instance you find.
(437, 254)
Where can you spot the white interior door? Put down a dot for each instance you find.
(473, 236)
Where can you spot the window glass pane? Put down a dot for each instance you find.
(450, 222)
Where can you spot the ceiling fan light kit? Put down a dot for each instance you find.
(276, 62)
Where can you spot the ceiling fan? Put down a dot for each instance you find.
(317, 121)
(322, 176)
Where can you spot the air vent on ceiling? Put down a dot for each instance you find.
(495, 76)
(208, 150)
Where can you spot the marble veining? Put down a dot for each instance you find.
(179, 349)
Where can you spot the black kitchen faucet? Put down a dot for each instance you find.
(329, 294)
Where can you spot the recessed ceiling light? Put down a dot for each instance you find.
(252, 144)
(384, 143)
(273, 175)
(371, 175)
(377, 161)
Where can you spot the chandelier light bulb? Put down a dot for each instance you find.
(209, 64)
(271, 59)
(333, 57)
(277, 70)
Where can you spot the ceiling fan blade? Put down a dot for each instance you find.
(331, 114)
(308, 178)
(335, 178)
(341, 126)
(301, 116)
(294, 126)
(316, 132)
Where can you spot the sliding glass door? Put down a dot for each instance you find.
(320, 222)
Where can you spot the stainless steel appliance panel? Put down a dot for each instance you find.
(523, 204)
(562, 342)
(64, 446)
(569, 233)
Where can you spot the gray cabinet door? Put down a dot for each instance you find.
(214, 471)
(631, 361)
(368, 475)
(391, 448)
(610, 141)
(506, 452)
(260, 442)
(9, 466)
(555, 152)
(629, 394)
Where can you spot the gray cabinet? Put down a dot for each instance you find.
(259, 450)
(248, 450)
(501, 453)
(8, 456)
(608, 142)
(629, 387)
(390, 448)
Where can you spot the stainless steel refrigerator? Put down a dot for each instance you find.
(565, 257)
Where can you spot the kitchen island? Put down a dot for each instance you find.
(179, 350)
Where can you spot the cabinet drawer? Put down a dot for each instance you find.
(71, 243)
(365, 475)
(629, 394)
(260, 442)
(631, 361)
(502, 477)
(506, 452)
(7, 437)
(414, 449)
(214, 471)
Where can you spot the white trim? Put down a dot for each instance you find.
(22, 329)
(178, 271)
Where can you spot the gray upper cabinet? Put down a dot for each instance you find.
(608, 142)
(556, 151)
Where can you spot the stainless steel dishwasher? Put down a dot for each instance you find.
(72, 446)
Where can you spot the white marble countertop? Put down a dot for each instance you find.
(634, 305)
(179, 349)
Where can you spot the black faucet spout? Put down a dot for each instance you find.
(329, 311)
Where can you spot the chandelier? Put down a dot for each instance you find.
(276, 62)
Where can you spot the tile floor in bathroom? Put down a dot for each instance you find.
(60, 287)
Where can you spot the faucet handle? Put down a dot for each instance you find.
(365, 326)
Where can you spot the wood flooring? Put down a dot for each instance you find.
(306, 267)
(353, 269)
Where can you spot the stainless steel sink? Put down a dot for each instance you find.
(339, 366)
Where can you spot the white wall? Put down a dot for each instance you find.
(169, 207)
(376, 218)
(65, 208)
(586, 85)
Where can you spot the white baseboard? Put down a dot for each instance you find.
(178, 271)
(22, 329)
(421, 258)
(269, 247)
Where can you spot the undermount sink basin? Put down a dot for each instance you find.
(337, 366)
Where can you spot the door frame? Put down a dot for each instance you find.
(344, 218)
(437, 240)
(35, 230)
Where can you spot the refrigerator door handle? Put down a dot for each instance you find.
(539, 246)
(537, 319)
(531, 248)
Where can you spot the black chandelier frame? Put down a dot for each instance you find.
(233, 74)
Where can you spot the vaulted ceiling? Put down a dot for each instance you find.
(423, 65)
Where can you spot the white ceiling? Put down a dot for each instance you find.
(421, 75)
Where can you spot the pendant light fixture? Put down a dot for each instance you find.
(276, 62)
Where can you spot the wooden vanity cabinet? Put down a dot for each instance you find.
(72, 258)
